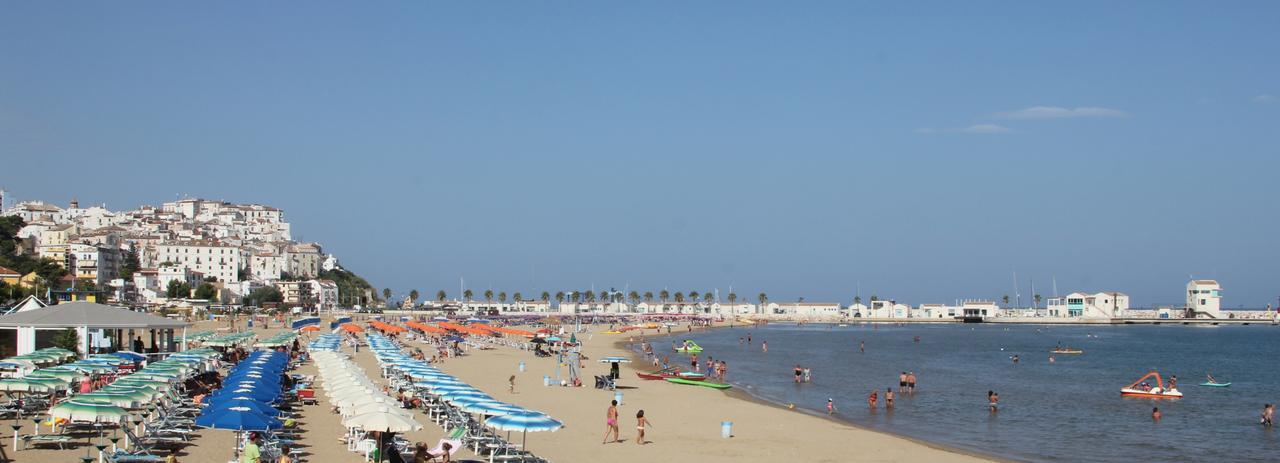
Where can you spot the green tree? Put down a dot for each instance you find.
(559, 297)
(664, 295)
(413, 296)
(733, 298)
(857, 299)
(634, 296)
(177, 289)
(1037, 298)
(679, 297)
(1005, 299)
(517, 297)
(130, 265)
(502, 297)
(648, 296)
(708, 296)
(207, 292)
(467, 295)
(263, 295)
(386, 294)
(590, 296)
(546, 297)
(693, 296)
(441, 295)
(67, 339)
(763, 298)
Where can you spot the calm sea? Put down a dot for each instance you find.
(1070, 410)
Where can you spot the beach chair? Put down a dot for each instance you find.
(454, 439)
(308, 396)
(59, 440)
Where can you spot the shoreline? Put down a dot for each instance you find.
(737, 393)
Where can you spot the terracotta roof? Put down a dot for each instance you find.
(9, 272)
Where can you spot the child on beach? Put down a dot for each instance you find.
(511, 384)
(641, 423)
(611, 422)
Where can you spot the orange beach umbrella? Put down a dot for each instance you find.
(351, 328)
(309, 329)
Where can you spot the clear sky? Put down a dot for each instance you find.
(922, 151)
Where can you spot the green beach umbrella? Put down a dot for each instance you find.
(24, 385)
(68, 374)
(117, 399)
(73, 410)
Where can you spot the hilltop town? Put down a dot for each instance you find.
(193, 253)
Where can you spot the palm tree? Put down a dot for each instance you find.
(577, 297)
(546, 297)
(664, 295)
(707, 296)
(386, 294)
(733, 298)
(762, 297)
(857, 300)
(413, 297)
(635, 297)
(502, 297)
(693, 296)
(679, 297)
(440, 295)
(874, 298)
(1037, 298)
(590, 296)
(559, 297)
(518, 297)
(1005, 299)
(466, 295)
(488, 295)
(648, 296)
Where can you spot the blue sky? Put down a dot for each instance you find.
(922, 151)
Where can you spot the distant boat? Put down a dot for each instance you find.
(1067, 350)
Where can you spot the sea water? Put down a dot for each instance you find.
(1068, 410)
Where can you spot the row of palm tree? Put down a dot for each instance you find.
(588, 296)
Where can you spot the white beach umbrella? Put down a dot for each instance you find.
(382, 420)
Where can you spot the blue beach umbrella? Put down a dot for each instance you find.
(524, 422)
(238, 419)
(233, 402)
(486, 407)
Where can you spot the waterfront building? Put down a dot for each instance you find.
(1205, 297)
(1108, 304)
(804, 309)
(938, 311)
(735, 308)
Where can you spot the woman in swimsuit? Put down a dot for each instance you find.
(994, 399)
(641, 423)
(871, 399)
(888, 397)
(799, 371)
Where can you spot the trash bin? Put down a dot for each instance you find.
(546, 380)
(726, 429)
(521, 366)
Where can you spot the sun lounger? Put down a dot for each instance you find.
(125, 457)
(48, 439)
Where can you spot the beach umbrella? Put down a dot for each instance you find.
(525, 422)
(238, 419)
(24, 385)
(69, 374)
(132, 356)
(383, 420)
(370, 407)
(118, 399)
(451, 396)
(486, 407)
(615, 360)
(309, 329)
(96, 412)
(234, 402)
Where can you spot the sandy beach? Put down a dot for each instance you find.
(686, 421)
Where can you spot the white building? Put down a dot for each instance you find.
(936, 311)
(266, 265)
(211, 258)
(303, 260)
(325, 293)
(733, 308)
(100, 264)
(880, 309)
(1108, 304)
(804, 309)
(1205, 297)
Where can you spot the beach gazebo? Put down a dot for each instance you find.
(100, 326)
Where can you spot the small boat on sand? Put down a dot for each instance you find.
(699, 383)
(1141, 388)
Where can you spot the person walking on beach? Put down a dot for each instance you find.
(641, 423)
(888, 397)
(748, 337)
(611, 422)
(511, 384)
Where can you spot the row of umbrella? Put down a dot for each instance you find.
(278, 340)
(152, 384)
(497, 415)
(245, 400)
(230, 339)
(325, 342)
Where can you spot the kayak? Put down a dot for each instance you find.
(1226, 384)
(699, 383)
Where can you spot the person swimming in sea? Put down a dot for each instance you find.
(873, 398)
(993, 400)
(888, 397)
